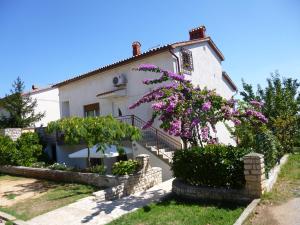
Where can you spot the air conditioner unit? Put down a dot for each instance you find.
(120, 80)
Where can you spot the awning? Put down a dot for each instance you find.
(110, 151)
(120, 92)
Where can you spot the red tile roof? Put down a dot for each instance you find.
(141, 56)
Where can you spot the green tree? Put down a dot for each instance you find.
(101, 131)
(19, 107)
(281, 106)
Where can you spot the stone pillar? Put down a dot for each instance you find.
(144, 161)
(254, 170)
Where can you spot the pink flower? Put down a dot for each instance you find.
(206, 106)
(195, 122)
(236, 121)
(158, 106)
(257, 103)
(175, 128)
(205, 133)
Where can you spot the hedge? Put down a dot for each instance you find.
(211, 166)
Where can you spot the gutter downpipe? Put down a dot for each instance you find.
(177, 59)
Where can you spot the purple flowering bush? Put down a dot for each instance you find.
(189, 112)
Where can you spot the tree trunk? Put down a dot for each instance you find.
(89, 158)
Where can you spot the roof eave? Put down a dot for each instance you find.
(207, 39)
(114, 65)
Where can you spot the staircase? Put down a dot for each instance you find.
(153, 139)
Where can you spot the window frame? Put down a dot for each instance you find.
(186, 54)
(94, 108)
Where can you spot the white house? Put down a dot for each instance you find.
(112, 88)
(47, 103)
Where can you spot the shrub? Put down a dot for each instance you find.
(60, 166)
(125, 167)
(7, 151)
(211, 166)
(28, 149)
(39, 165)
(268, 145)
(100, 169)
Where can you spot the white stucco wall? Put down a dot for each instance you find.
(48, 102)
(207, 73)
(84, 92)
(207, 69)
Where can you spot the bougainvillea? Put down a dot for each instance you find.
(189, 112)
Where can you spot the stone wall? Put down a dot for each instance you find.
(131, 184)
(146, 178)
(118, 186)
(205, 193)
(64, 176)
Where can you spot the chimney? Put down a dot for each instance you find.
(34, 87)
(136, 48)
(197, 33)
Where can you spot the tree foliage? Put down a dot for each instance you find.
(101, 131)
(24, 152)
(281, 105)
(19, 107)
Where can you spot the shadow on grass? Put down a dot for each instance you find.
(132, 202)
(174, 199)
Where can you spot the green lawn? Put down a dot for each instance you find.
(181, 212)
(58, 195)
(288, 183)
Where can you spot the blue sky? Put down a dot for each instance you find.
(48, 41)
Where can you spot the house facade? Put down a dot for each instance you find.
(113, 88)
(47, 102)
(95, 93)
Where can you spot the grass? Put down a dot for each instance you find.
(288, 183)
(9, 223)
(11, 196)
(182, 212)
(59, 195)
(8, 177)
(286, 187)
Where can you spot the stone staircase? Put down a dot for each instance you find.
(156, 141)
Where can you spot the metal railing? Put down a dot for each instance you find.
(151, 134)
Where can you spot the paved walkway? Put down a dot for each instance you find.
(90, 212)
(287, 213)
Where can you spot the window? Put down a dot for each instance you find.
(120, 112)
(186, 61)
(91, 110)
(65, 109)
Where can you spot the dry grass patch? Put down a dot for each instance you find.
(27, 198)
